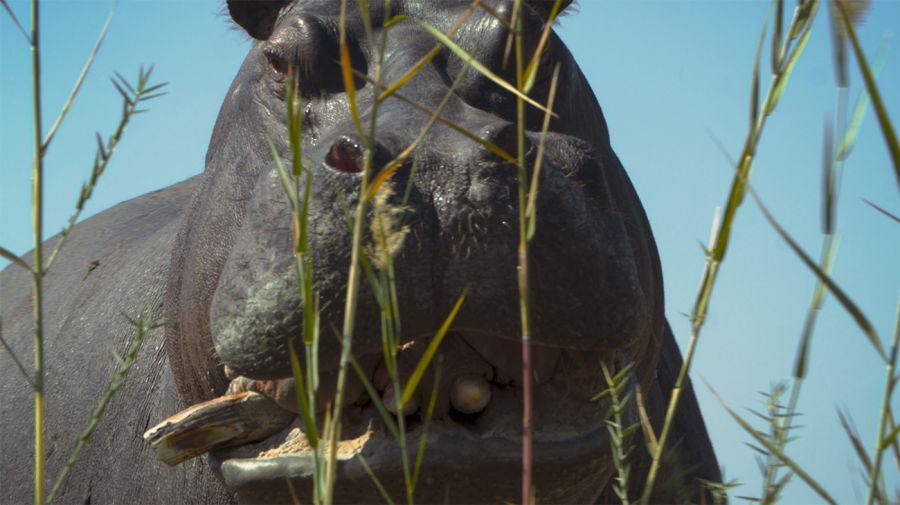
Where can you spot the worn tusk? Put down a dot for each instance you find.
(222, 422)
(470, 394)
(390, 402)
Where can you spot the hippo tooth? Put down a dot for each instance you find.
(470, 394)
(222, 422)
(390, 402)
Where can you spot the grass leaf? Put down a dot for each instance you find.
(859, 110)
(477, 65)
(754, 86)
(887, 129)
(305, 408)
(15, 21)
(16, 260)
(531, 208)
(762, 440)
(347, 70)
(429, 413)
(410, 388)
(78, 82)
(883, 211)
(838, 293)
(375, 481)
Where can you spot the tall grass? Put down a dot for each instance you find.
(372, 216)
(132, 96)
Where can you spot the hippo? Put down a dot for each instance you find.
(213, 257)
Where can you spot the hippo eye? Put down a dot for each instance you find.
(278, 64)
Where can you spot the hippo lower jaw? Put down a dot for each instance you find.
(467, 458)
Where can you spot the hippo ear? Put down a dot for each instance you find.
(256, 17)
(543, 7)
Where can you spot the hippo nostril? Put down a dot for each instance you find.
(345, 156)
(505, 137)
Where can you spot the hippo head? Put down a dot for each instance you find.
(596, 288)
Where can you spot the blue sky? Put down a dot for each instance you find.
(669, 75)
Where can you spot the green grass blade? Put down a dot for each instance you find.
(429, 413)
(425, 60)
(386, 416)
(477, 65)
(838, 293)
(754, 86)
(890, 438)
(781, 79)
(401, 158)
(16, 260)
(15, 21)
(531, 208)
(410, 388)
(12, 355)
(855, 441)
(531, 70)
(829, 181)
(883, 211)
(887, 129)
(78, 82)
(302, 401)
(646, 426)
(347, 71)
(801, 362)
(450, 124)
(144, 325)
(859, 110)
(286, 184)
(777, 32)
(762, 440)
(375, 481)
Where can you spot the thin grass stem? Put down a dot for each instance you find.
(802, 25)
(15, 21)
(527, 380)
(359, 215)
(776, 451)
(12, 355)
(37, 203)
(130, 101)
(15, 259)
(885, 411)
(144, 326)
(78, 83)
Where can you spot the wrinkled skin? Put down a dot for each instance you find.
(214, 253)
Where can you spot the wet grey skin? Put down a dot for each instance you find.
(214, 254)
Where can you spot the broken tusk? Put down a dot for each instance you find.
(470, 394)
(219, 423)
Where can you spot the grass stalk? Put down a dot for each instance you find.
(880, 446)
(619, 435)
(527, 380)
(37, 202)
(132, 96)
(358, 219)
(78, 82)
(799, 29)
(790, 463)
(144, 325)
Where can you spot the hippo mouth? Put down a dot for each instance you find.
(471, 439)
